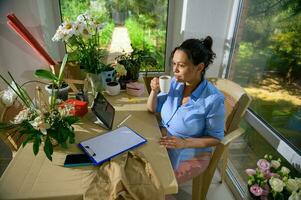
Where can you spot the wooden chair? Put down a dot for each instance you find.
(236, 103)
(10, 137)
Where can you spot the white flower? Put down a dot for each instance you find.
(292, 185)
(84, 17)
(276, 184)
(275, 164)
(285, 170)
(59, 35)
(85, 33)
(39, 124)
(79, 27)
(295, 196)
(68, 29)
(22, 115)
(298, 182)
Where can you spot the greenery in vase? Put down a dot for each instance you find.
(135, 60)
(82, 36)
(40, 120)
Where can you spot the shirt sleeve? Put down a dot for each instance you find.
(215, 118)
(161, 98)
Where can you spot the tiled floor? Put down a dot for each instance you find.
(216, 191)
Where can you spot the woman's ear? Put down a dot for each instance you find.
(201, 67)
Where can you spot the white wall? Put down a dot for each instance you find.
(202, 18)
(16, 56)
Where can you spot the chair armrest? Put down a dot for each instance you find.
(232, 136)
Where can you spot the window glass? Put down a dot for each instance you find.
(143, 22)
(267, 63)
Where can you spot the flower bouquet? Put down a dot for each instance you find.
(82, 37)
(42, 121)
(270, 180)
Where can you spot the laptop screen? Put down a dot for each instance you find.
(103, 110)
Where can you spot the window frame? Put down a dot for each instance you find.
(273, 137)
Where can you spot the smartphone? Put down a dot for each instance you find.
(73, 160)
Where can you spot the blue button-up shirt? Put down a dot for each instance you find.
(202, 115)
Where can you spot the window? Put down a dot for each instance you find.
(267, 63)
(140, 23)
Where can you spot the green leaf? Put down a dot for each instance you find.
(36, 144)
(7, 125)
(29, 138)
(45, 74)
(48, 149)
(60, 77)
(71, 119)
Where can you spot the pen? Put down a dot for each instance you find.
(124, 120)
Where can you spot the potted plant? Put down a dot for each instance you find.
(134, 61)
(42, 122)
(82, 39)
(57, 88)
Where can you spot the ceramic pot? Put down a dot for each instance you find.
(62, 93)
(113, 88)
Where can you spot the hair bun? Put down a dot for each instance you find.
(208, 42)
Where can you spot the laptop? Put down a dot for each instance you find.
(103, 111)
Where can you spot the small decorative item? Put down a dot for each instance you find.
(43, 122)
(135, 88)
(271, 181)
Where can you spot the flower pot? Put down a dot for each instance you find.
(62, 93)
(107, 76)
(113, 88)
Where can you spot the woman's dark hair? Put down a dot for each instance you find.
(197, 50)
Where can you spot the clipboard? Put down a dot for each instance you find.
(104, 147)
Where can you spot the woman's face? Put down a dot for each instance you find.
(183, 69)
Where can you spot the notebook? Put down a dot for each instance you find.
(103, 147)
(103, 110)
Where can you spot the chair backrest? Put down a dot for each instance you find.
(236, 103)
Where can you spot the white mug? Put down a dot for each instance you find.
(113, 88)
(164, 82)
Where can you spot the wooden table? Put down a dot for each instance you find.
(35, 177)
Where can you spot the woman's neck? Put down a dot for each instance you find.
(191, 86)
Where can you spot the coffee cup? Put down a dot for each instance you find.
(164, 82)
(113, 88)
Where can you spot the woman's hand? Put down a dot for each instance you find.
(173, 142)
(154, 84)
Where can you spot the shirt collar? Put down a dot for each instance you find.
(197, 92)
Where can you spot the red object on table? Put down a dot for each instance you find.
(80, 107)
(21, 30)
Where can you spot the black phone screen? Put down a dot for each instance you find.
(77, 160)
